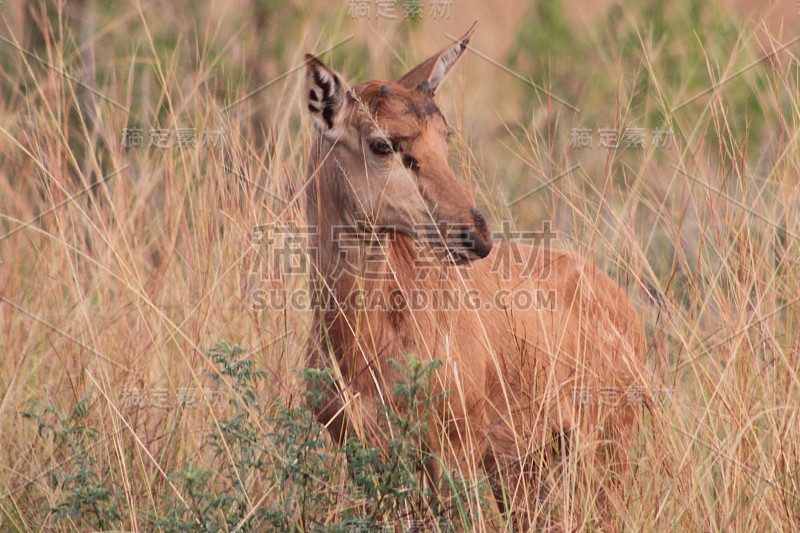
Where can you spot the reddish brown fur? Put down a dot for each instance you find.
(512, 373)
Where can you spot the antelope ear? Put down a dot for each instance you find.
(326, 96)
(433, 70)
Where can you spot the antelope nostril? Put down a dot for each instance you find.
(480, 222)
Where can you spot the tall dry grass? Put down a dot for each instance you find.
(120, 265)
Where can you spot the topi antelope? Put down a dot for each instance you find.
(392, 223)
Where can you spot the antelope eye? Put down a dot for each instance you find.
(382, 147)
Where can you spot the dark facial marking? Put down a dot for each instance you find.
(410, 163)
(327, 116)
(422, 110)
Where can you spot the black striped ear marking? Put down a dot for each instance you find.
(325, 94)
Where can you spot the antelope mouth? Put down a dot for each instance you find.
(458, 257)
(479, 245)
(461, 243)
(471, 248)
(475, 240)
(458, 244)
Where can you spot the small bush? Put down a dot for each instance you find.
(288, 478)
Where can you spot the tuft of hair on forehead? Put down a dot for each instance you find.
(380, 96)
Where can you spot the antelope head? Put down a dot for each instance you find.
(388, 144)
